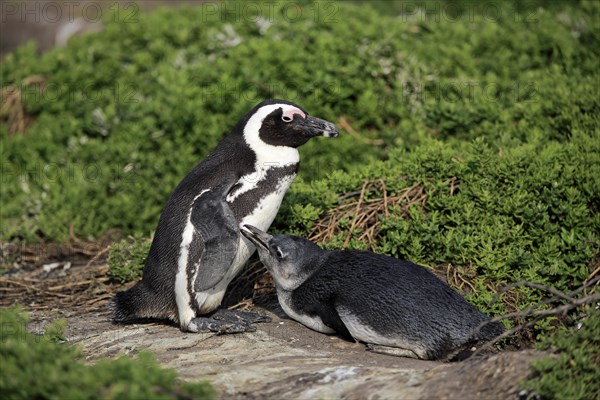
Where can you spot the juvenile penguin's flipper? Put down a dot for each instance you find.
(391, 351)
(216, 235)
(331, 318)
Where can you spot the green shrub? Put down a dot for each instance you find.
(42, 367)
(127, 257)
(127, 112)
(573, 370)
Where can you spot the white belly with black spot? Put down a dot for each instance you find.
(266, 210)
(261, 217)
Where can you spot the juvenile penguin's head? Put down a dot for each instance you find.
(290, 259)
(280, 123)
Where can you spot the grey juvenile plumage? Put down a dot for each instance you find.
(197, 248)
(395, 306)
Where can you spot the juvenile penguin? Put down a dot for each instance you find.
(395, 306)
(197, 247)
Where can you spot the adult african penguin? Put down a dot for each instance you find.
(395, 306)
(197, 247)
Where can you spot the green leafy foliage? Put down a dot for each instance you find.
(124, 114)
(127, 257)
(573, 371)
(44, 367)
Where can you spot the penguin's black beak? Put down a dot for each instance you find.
(314, 126)
(256, 236)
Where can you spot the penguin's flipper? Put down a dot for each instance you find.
(331, 318)
(391, 351)
(216, 228)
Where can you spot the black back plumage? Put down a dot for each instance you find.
(393, 297)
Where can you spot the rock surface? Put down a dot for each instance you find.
(284, 359)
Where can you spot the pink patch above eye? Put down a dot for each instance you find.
(293, 111)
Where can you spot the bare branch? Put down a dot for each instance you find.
(544, 313)
(506, 334)
(538, 286)
(538, 314)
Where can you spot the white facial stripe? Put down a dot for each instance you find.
(267, 156)
(266, 152)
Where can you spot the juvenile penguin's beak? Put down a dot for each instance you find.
(319, 127)
(256, 236)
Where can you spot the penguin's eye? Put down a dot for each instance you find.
(280, 253)
(286, 118)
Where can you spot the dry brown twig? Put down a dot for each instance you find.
(98, 255)
(533, 311)
(11, 104)
(538, 286)
(76, 287)
(592, 277)
(345, 125)
(366, 214)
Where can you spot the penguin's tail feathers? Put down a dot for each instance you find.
(489, 330)
(486, 331)
(129, 305)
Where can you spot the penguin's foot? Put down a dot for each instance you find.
(227, 321)
(391, 351)
(234, 316)
(220, 327)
